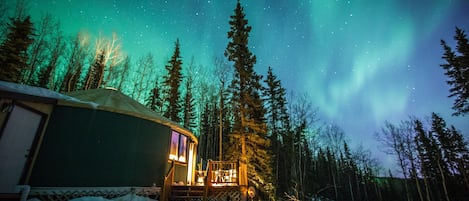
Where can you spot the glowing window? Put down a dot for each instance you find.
(178, 147)
(173, 153)
(182, 148)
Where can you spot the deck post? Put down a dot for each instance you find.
(243, 178)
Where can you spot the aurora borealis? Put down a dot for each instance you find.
(361, 62)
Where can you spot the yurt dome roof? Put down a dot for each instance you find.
(106, 99)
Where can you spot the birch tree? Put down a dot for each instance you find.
(107, 55)
(172, 83)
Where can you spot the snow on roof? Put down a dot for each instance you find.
(33, 91)
(39, 92)
(107, 99)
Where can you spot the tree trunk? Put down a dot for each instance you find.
(404, 172)
(351, 189)
(417, 183)
(443, 180)
(427, 189)
(221, 124)
(335, 184)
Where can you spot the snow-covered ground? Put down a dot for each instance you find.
(128, 197)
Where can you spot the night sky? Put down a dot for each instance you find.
(361, 62)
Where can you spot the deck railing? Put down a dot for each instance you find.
(168, 179)
(222, 173)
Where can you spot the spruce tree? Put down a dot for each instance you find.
(422, 143)
(457, 71)
(13, 51)
(39, 50)
(204, 130)
(154, 101)
(249, 132)
(95, 71)
(438, 129)
(275, 103)
(45, 76)
(461, 157)
(445, 144)
(172, 83)
(454, 152)
(189, 106)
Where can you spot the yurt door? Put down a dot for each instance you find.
(15, 144)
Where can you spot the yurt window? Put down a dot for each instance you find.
(182, 148)
(178, 147)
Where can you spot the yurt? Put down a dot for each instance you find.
(93, 138)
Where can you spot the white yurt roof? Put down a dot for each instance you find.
(105, 99)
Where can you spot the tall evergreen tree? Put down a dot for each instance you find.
(154, 101)
(172, 82)
(13, 51)
(189, 106)
(461, 157)
(208, 147)
(457, 70)
(275, 102)
(249, 133)
(425, 151)
(454, 156)
(38, 52)
(439, 152)
(94, 74)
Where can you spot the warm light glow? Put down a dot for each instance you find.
(200, 177)
(224, 176)
(190, 164)
(172, 157)
(182, 159)
(224, 184)
(178, 147)
(174, 146)
(182, 148)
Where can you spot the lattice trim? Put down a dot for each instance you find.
(223, 192)
(68, 193)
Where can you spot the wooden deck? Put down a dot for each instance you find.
(193, 193)
(220, 181)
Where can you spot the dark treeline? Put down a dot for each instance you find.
(240, 115)
(433, 158)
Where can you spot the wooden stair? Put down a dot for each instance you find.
(186, 193)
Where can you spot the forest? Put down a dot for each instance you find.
(240, 114)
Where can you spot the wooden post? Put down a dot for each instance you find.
(243, 174)
(208, 180)
(168, 180)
